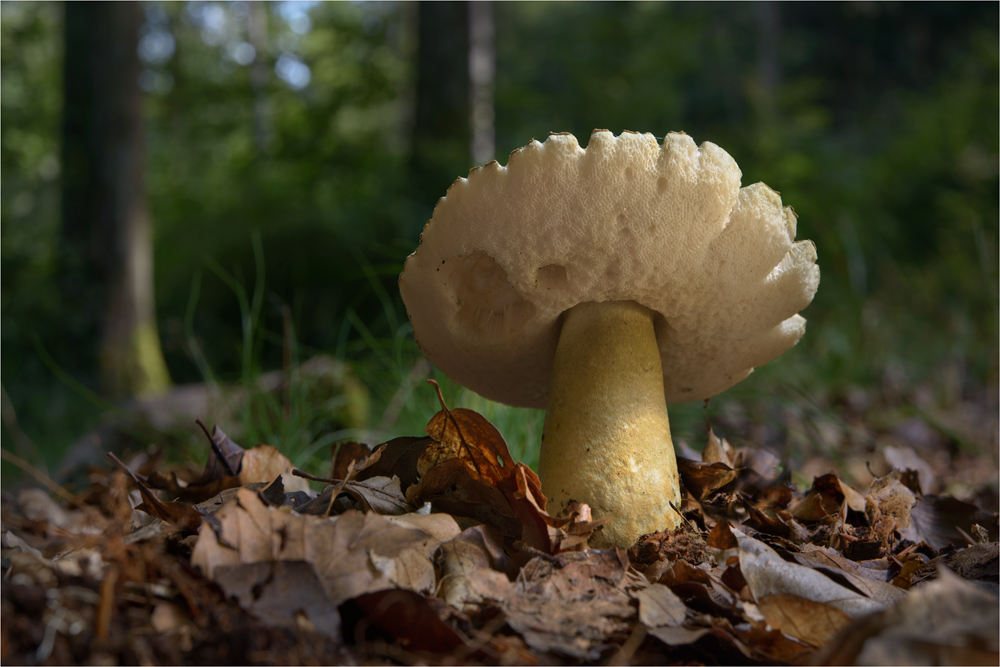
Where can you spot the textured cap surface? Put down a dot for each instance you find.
(509, 249)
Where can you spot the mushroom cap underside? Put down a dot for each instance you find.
(509, 249)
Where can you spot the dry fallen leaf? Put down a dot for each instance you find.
(659, 607)
(411, 620)
(811, 622)
(283, 593)
(978, 562)
(352, 553)
(376, 494)
(906, 459)
(468, 471)
(717, 450)
(417, 588)
(572, 604)
(398, 458)
(937, 520)
(702, 479)
(230, 466)
(861, 579)
(477, 548)
(263, 463)
(767, 574)
(345, 453)
(948, 621)
(456, 561)
(179, 514)
(828, 497)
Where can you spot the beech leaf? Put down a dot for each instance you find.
(767, 573)
(352, 553)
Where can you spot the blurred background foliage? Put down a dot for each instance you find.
(281, 164)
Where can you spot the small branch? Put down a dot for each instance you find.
(38, 475)
(314, 478)
(117, 461)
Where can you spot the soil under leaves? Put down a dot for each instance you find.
(439, 550)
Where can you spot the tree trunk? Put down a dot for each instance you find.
(106, 229)
(768, 58)
(482, 72)
(441, 132)
(257, 28)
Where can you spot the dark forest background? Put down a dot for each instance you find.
(281, 159)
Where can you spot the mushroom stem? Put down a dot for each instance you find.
(606, 440)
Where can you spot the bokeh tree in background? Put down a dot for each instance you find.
(106, 245)
(442, 112)
(328, 131)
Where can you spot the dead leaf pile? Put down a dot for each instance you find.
(439, 549)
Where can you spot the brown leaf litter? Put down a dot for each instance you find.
(439, 549)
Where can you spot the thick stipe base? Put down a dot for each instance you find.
(607, 437)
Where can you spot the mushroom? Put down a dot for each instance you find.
(603, 283)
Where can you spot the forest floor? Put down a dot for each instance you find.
(438, 550)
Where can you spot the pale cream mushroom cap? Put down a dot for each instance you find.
(509, 249)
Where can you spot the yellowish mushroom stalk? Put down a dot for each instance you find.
(607, 437)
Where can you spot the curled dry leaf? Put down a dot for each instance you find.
(948, 621)
(722, 537)
(467, 436)
(866, 580)
(828, 497)
(717, 450)
(939, 520)
(572, 532)
(479, 548)
(456, 560)
(351, 554)
(345, 453)
(396, 458)
(767, 573)
(703, 479)
(182, 515)
(776, 522)
(377, 494)
(230, 466)
(263, 463)
(920, 475)
(467, 470)
(226, 458)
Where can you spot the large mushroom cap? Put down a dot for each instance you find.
(509, 249)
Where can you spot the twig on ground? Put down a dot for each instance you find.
(38, 475)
